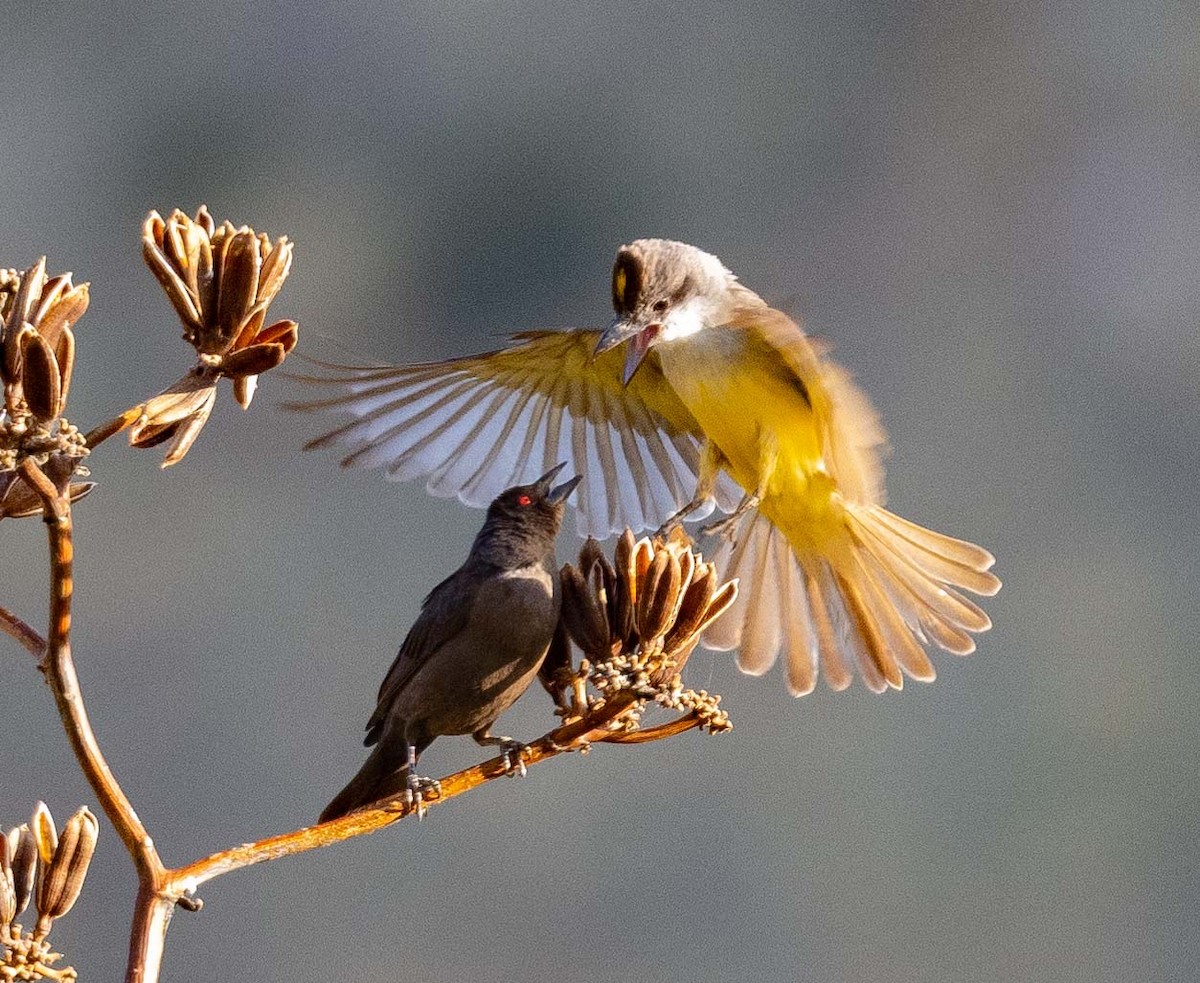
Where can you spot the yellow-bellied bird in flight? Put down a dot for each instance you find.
(712, 384)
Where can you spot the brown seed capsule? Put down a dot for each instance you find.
(62, 879)
(16, 323)
(693, 607)
(178, 412)
(658, 596)
(8, 893)
(40, 380)
(20, 501)
(23, 854)
(590, 553)
(254, 360)
(556, 669)
(44, 833)
(584, 614)
(59, 313)
(626, 586)
(643, 555)
(720, 603)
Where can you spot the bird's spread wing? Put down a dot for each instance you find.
(853, 436)
(443, 616)
(478, 425)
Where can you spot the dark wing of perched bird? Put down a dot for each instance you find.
(477, 425)
(443, 617)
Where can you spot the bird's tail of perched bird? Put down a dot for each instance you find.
(887, 588)
(384, 773)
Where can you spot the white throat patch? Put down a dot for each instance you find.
(692, 317)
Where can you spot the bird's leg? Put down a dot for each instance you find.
(727, 528)
(512, 750)
(418, 788)
(711, 462)
(768, 455)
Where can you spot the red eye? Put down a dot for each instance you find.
(524, 500)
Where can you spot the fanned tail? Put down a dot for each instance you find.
(875, 604)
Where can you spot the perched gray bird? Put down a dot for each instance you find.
(475, 647)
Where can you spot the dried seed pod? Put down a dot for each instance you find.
(45, 835)
(20, 501)
(8, 892)
(720, 603)
(658, 596)
(693, 607)
(626, 586)
(556, 670)
(590, 553)
(584, 614)
(40, 380)
(687, 570)
(58, 314)
(8, 902)
(179, 412)
(23, 862)
(220, 280)
(253, 360)
(643, 556)
(62, 879)
(236, 294)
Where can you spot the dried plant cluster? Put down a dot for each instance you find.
(220, 280)
(636, 620)
(42, 864)
(37, 355)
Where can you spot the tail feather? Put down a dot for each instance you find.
(958, 550)
(378, 778)
(874, 606)
(903, 641)
(944, 566)
(732, 561)
(923, 620)
(800, 639)
(762, 627)
(829, 619)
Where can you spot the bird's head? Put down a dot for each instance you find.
(523, 522)
(663, 291)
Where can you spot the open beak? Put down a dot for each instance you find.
(640, 338)
(559, 493)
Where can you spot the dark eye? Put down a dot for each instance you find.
(660, 306)
(524, 500)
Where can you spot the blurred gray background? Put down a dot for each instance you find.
(991, 210)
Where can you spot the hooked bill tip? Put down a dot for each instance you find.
(550, 475)
(560, 493)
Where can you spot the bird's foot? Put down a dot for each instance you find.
(724, 528)
(419, 790)
(664, 531)
(727, 528)
(513, 753)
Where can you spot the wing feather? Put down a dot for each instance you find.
(475, 426)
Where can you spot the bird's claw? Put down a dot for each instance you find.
(664, 531)
(419, 789)
(511, 750)
(725, 528)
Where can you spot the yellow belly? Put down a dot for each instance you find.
(757, 414)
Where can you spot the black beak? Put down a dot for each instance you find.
(558, 494)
